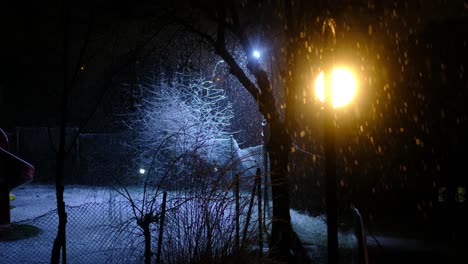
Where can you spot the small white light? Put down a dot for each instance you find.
(256, 54)
(142, 171)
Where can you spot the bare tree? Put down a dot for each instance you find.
(223, 25)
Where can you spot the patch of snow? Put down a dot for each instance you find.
(34, 200)
(313, 230)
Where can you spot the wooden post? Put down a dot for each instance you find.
(161, 228)
(249, 211)
(360, 234)
(265, 188)
(258, 182)
(266, 138)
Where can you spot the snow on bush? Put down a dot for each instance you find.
(251, 159)
(190, 109)
(226, 152)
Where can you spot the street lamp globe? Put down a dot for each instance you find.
(343, 87)
(256, 54)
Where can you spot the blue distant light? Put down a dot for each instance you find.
(256, 54)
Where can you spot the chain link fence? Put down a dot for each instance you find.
(96, 233)
(107, 232)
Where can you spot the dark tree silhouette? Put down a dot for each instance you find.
(230, 24)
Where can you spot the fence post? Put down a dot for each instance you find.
(236, 193)
(249, 211)
(265, 188)
(161, 228)
(266, 138)
(258, 182)
(361, 237)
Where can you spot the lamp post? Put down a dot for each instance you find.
(335, 87)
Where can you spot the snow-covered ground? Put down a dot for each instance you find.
(96, 217)
(34, 200)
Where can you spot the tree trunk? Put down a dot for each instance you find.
(60, 239)
(278, 148)
(147, 235)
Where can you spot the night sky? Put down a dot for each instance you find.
(416, 53)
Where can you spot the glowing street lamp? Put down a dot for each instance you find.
(335, 87)
(343, 87)
(142, 171)
(256, 54)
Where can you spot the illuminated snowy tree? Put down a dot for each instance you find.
(190, 113)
